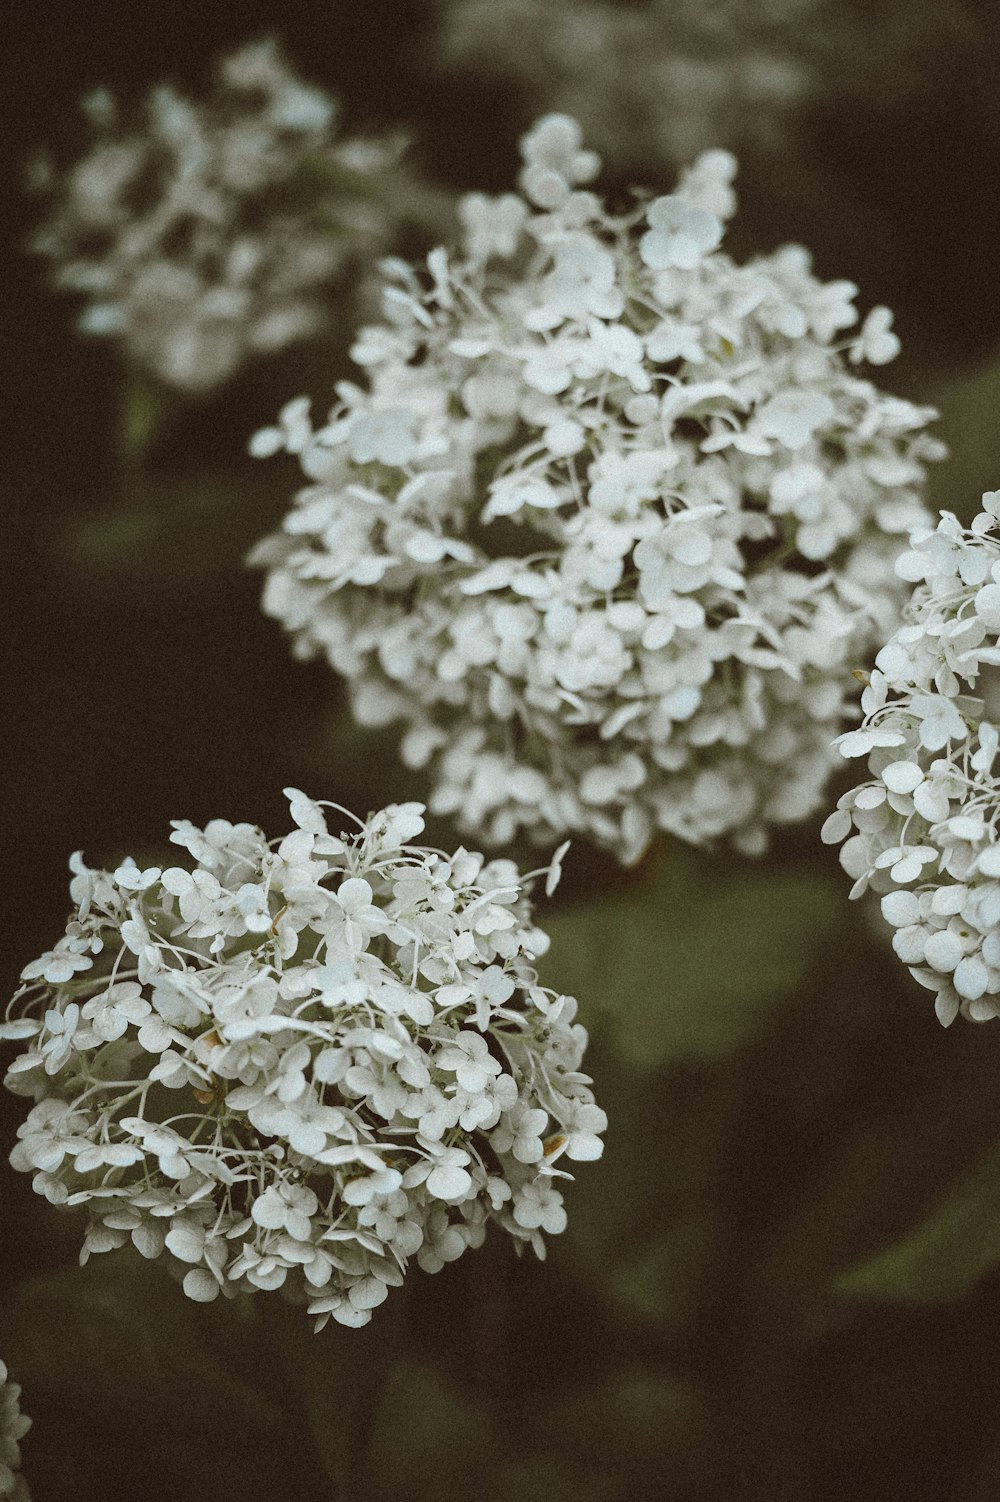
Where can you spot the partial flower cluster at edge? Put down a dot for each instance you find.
(14, 1425)
(611, 519)
(302, 1062)
(923, 830)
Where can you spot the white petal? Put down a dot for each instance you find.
(200, 1285)
(971, 978)
(902, 776)
(943, 950)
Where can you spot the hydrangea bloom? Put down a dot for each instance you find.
(212, 232)
(14, 1425)
(656, 81)
(611, 519)
(924, 829)
(302, 1062)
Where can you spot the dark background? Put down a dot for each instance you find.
(687, 1335)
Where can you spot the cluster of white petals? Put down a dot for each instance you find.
(212, 232)
(924, 829)
(302, 1062)
(612, 518)
(14, 1425)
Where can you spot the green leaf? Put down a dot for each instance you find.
(124, 1326)
(968, 425)
(146, 406)
(642, 1219)
(890, 1115)
(693, 963)
(377, 1416)
(946, 1254)
(335, 1380)
(135, 1391)
(636, 1417)
(430, 1441)
(171, 529)
(549, 1478)
(655, 1282)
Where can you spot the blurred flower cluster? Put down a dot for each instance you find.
(302, 1062)
(923, 831)
(14, 1425)
(658, 81)
(612, 518)
(213, 232)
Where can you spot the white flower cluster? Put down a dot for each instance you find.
(302, 1062)
(14, 1425)
(612, 518)
(925, 827)
(655, 82)
(212, 232)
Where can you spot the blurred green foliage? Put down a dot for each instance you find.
(970, 424)
(696, 957)
(946, 1254)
